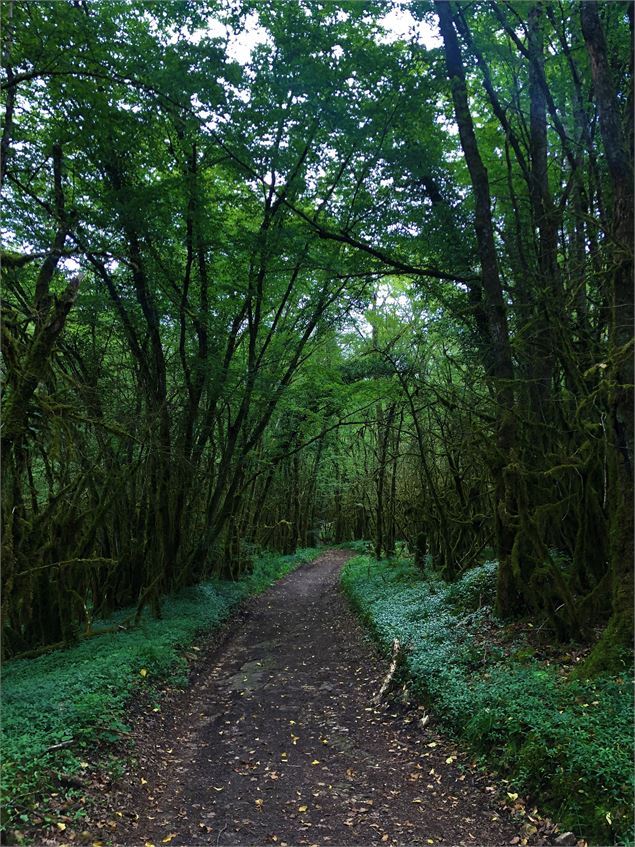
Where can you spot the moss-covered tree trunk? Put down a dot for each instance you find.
(618, 635)
(491, 317)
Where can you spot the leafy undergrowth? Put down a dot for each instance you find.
(58, 707)
(565, 742)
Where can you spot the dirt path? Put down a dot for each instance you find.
(277, 743)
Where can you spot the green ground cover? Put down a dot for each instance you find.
(565, 742)
(77, 697)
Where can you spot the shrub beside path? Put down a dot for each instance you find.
(278, 742)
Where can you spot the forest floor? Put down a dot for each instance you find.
(277, 741)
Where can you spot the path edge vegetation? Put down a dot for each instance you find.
(64, 714)
(561, 740)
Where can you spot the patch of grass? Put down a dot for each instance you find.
(567, 743)
(77, 697)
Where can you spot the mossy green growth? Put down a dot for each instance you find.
(77, 697)
(568, 743)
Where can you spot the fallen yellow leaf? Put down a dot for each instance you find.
(148, 844)
(61, 826)
(259, 803)
(432, 744)
(83, 764)
(168, 838)
(143, 672)
(302, 808)
(512, 796)
(97, 844)
(315, 762)
(295, 738)
(144, 781)
(450, 759)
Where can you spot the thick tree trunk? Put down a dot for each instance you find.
(618, 636)
(498, 361)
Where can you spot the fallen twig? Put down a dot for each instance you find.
(60, 745)
(396, 648)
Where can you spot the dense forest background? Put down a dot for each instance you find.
(351, 286)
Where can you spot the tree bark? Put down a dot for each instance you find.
(498, 361)
(618, 636)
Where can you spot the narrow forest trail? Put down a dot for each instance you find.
(277, 741)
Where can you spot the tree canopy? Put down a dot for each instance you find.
(332, 284)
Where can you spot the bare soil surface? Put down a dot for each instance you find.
(277, 742)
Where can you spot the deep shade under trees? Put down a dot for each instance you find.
(353, 287)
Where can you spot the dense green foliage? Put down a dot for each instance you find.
(339, 283)
(566, 742)
(276, 273)
(77, 697)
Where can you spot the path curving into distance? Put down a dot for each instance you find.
(277, 742)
